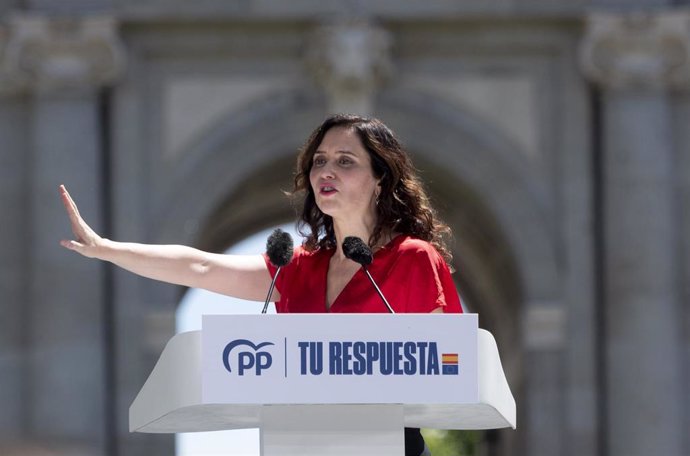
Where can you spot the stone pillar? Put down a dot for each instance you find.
(350, 61)
(64, 64)
(636, 60)
(13, 272)
(682, 132)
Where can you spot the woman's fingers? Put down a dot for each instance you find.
(72, 245)
(73, 213)
(84, 235)
(70, 206)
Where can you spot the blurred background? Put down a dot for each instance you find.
(553, 136)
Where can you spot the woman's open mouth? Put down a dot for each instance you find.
(327, 190)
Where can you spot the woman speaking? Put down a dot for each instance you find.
(356, 182)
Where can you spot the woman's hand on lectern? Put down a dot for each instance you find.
(86, 241)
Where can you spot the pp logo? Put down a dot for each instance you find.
(248, 360)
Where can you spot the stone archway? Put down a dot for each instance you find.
(491, 201)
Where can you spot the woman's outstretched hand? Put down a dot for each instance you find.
(241, 276)
(86, 241)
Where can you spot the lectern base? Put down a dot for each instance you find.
(330, 430)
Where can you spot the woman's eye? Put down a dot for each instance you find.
(345, 161)
(319, 161)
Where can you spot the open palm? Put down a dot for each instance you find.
(85, 239)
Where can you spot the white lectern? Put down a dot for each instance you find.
(321, 384)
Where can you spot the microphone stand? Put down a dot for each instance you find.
(383, 298)
(270, 290)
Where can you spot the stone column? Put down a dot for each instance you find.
(350, 61)
(636, 61)
(64, 64)
(13, 272)
(682, 120)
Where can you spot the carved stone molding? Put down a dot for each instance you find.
(350, 61)
(637, 51)
(57, 54)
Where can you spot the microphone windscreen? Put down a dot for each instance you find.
(279, 248)
(356, 250)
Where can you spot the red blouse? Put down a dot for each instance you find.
(411, 274)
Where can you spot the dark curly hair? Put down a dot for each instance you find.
(403, 206)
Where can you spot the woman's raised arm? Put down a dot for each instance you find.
(241, 276)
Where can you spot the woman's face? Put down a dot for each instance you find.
(342, 177)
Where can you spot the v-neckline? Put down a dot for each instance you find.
(349, 282)
(325, 283)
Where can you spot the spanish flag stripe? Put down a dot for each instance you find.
(449, 358)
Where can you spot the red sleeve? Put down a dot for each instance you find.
(426, 280)
(286, 271)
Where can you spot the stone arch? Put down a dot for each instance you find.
(242, 164)
(233, 154)
(494, 203)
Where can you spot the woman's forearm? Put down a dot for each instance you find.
(240, 276)
(176, 264)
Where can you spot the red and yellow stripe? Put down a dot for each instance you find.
(449, 358)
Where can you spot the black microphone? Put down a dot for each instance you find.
(356, 250)
(279, 252)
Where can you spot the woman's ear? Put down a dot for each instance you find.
(379, 183)
(377, 192)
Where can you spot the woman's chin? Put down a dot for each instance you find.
(334, 212)
(327, 207)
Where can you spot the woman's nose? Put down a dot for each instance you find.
(326, 171)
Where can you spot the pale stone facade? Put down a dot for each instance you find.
(553, 138)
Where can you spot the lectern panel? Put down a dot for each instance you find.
(340, 359)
